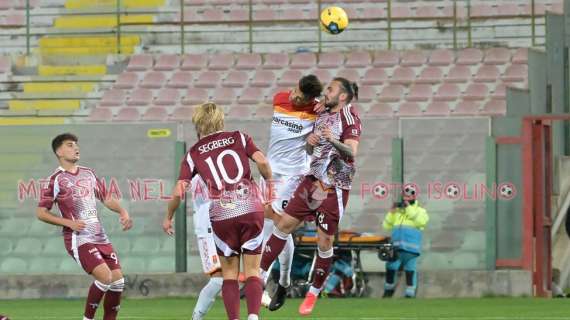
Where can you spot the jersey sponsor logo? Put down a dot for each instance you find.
(354, 132)
(216, 144)
(291, 126)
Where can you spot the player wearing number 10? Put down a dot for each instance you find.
(75, 189)
(221, 159)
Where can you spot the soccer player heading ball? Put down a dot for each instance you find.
(75, 189)
(221, 159)
(323, 194)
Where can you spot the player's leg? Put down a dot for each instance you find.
(103, 278)
(391, 282)
(253, 284)
(322, 269)
(410, 269)
(211, 266)
(230, 285)
(112, 302)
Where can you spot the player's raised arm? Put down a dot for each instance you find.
(186, 168)
(262, 164)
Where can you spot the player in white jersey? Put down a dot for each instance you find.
(293, 120)
(207, 247)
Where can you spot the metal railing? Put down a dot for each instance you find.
(387, 31)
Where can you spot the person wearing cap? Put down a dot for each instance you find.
(406, 221)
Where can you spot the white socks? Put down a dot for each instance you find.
(285, 261)
(207, 297)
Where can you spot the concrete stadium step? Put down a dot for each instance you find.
(86, 50)
(80, 42)
(45, 70)
(55, 95)
(83, 4)
(30, 121)
(44, 104)
(77, 87)
(100, 21)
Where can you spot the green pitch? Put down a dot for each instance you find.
(352, 309)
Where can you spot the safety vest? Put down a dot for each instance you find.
(406, 225)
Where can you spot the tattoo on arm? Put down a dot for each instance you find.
(345, 150)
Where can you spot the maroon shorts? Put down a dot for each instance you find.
(239, 235)
(90, 255)
(310, 202)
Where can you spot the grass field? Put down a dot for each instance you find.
(171, 309)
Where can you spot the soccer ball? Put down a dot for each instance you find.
(452, 191)
(506, 191)
(334, 20)
(380, 190)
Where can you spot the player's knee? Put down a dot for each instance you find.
(117, 285)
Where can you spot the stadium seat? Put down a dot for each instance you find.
(323, 74)
(358, 59)
(494, 108)
(437, 108)
(238, 15)
(430, 75)
(264, 15)
(403, 75)
(127, 80)
(5, 64)
(224, 96)
(28, 246)
(413, 58)
(520, 56)
(447, 92)
(140, 97)
(161, 264)
(458, 74)
(212, 15)
(303, 60)
(140, 62)
(264, 112)
(100, 115)
(497, 56)
(461, 11)
(180, 80)
(508, 10)
(375, 76)
(409, 109)
(127, 114)
(222, 61)
(112, 98)
(248, 61)
(367, 94)
(167, 97)
(420, 92)
(466, 108)
(330, 60)
(487, 73)
(515, 73)
(251, 96)
(391, 93)
(194, 62)
(195, 96)
(6, 247)
(13, 265)
(386, 58)
(153, 80)
(476, 91)
(382, 110)
(182, 114)
(167, 62)
(401, 12)
(500, 92)
(469, 56)
(539, 9)
(428, 11)
(483, 11)
(240, 112)
(236, 79)
(290, 78)
(44, 265)
(208, 79)
(441, 57)
(275, 61)
(349, 74)
(263, 78)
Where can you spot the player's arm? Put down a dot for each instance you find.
(347, 148)
(114, 205)
(312, 141)
(46, 216)
(262, 164)
(173, 204)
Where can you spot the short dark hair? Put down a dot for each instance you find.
(310, 86)
(350, 88)
(60, 139)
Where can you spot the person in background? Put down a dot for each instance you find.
(406, 221)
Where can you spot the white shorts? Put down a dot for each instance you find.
(285, 187)
(208, 254)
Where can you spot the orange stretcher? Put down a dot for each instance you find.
(347, 240)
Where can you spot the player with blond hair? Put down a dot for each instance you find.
(221, 159)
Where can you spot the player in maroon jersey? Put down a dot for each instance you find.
(75, 189)
(221, 158)
(323, 194)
